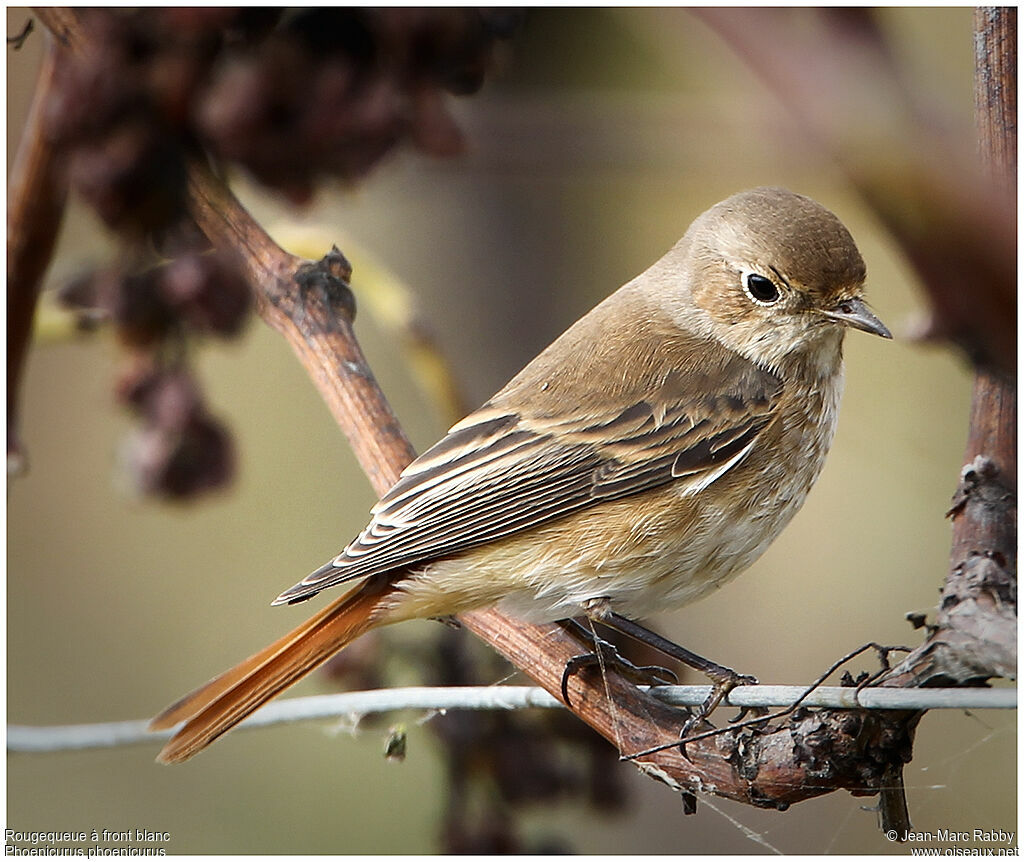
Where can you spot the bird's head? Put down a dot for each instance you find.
(775, 276)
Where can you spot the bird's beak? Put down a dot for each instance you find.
(855, 313)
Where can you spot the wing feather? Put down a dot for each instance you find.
(499, 472)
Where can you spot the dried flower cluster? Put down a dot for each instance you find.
(180, 449)
(295, 98)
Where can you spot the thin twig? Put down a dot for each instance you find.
(803, 699)
(17, 42)
(26, 738)
(36, 196)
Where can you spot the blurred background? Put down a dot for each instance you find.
(597, 140)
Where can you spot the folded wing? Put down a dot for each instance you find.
(499, 472)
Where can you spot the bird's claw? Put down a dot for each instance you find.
(605, 655)
(749, 711)
(724, 682)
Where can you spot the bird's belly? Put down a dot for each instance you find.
(647, 572)
(642, 557)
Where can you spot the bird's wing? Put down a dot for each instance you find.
(498, 472)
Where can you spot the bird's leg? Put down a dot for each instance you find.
(603, 654)
(724, 679)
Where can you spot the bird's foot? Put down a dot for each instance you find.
(723, 680)
(604, 655)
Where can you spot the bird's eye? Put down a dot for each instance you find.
(760, 288)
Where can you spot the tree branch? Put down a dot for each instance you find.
(35, 206)
(357, 704)
(975, 635)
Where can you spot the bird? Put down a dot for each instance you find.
(651, 453)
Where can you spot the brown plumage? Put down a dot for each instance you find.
(650, 453)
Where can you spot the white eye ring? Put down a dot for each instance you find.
(761, 289)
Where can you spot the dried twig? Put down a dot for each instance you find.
(35, 207)
(975, 635)
(356, 704)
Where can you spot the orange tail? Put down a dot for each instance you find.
(224, 701)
